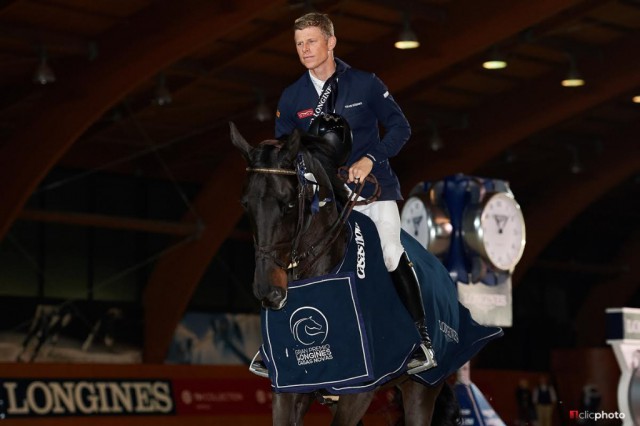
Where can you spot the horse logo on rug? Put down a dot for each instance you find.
(309, 326)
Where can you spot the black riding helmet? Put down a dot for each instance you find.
(334, 129)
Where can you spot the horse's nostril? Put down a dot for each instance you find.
(276, 299)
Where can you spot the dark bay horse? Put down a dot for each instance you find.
(298, 234)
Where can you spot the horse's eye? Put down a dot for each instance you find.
(287, 207)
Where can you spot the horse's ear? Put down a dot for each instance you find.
(293, 145)
(240, 142)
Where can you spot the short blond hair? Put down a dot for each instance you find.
(315, 19)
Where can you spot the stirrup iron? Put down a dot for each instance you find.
(258, 367)
(418, 365)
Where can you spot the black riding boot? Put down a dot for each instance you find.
(406, 284)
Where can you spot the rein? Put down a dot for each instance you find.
(271, 171)
(330, 236)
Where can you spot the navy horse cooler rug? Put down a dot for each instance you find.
(349, 332)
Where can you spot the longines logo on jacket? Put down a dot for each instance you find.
(360, 263)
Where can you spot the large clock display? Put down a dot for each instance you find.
(426, 222)
(495, 229)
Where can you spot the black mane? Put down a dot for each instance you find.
(324, 153)
(275, 154)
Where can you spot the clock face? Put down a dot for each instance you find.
(415, 219)
(503, 231)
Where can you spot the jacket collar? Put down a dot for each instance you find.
(341, 67)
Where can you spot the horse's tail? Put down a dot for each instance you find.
(446, 411)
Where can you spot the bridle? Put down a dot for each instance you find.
(300, 262)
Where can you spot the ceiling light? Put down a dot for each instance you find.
(573, 79)
(162, 95)
(435, 141)
(496, 60)
(263, 112)
(636, 99)
(510, 156)
(576, 165)
(44, 74)
(408, 38)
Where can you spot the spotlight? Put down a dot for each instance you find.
(496, 60)
(408, 38)
(576, 166)
(44, 74)
(162, 95)
(573, 79)
(435, 141)
(263, 112)
(636, 99)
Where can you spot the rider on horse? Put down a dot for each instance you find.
(363, 102)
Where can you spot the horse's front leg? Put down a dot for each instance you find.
(288, 409)
(351, 408)
(418, 402)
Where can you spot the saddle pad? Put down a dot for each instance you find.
(386, 336)
(317, 340)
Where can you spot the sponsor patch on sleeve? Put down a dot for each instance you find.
(385, 94)
(305, 113)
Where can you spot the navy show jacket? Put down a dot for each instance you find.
(364, 101)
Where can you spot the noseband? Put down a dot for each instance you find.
(328, 238)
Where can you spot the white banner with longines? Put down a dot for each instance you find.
(84, 397)
(488, 304)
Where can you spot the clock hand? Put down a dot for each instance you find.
(416, 224)
(501, 221)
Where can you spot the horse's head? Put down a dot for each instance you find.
(288, 212)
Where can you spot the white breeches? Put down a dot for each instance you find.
(386, 216)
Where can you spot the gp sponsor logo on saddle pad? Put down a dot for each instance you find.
(324, 342)
(310, 327)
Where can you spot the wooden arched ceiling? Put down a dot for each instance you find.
(218, 60)
(130, 54)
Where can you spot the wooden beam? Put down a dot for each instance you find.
(559, 205)
(111, 222)
(53, 40)
(8, 4)
(470, 29)
(517, 114)
(129, 54)
(536, 32)
(234, 53)
(583, 268)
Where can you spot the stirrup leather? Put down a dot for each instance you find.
(258, 367)
(420, 364)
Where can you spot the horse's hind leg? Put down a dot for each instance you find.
(351, 408)
(418, 402)
(290, 408)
